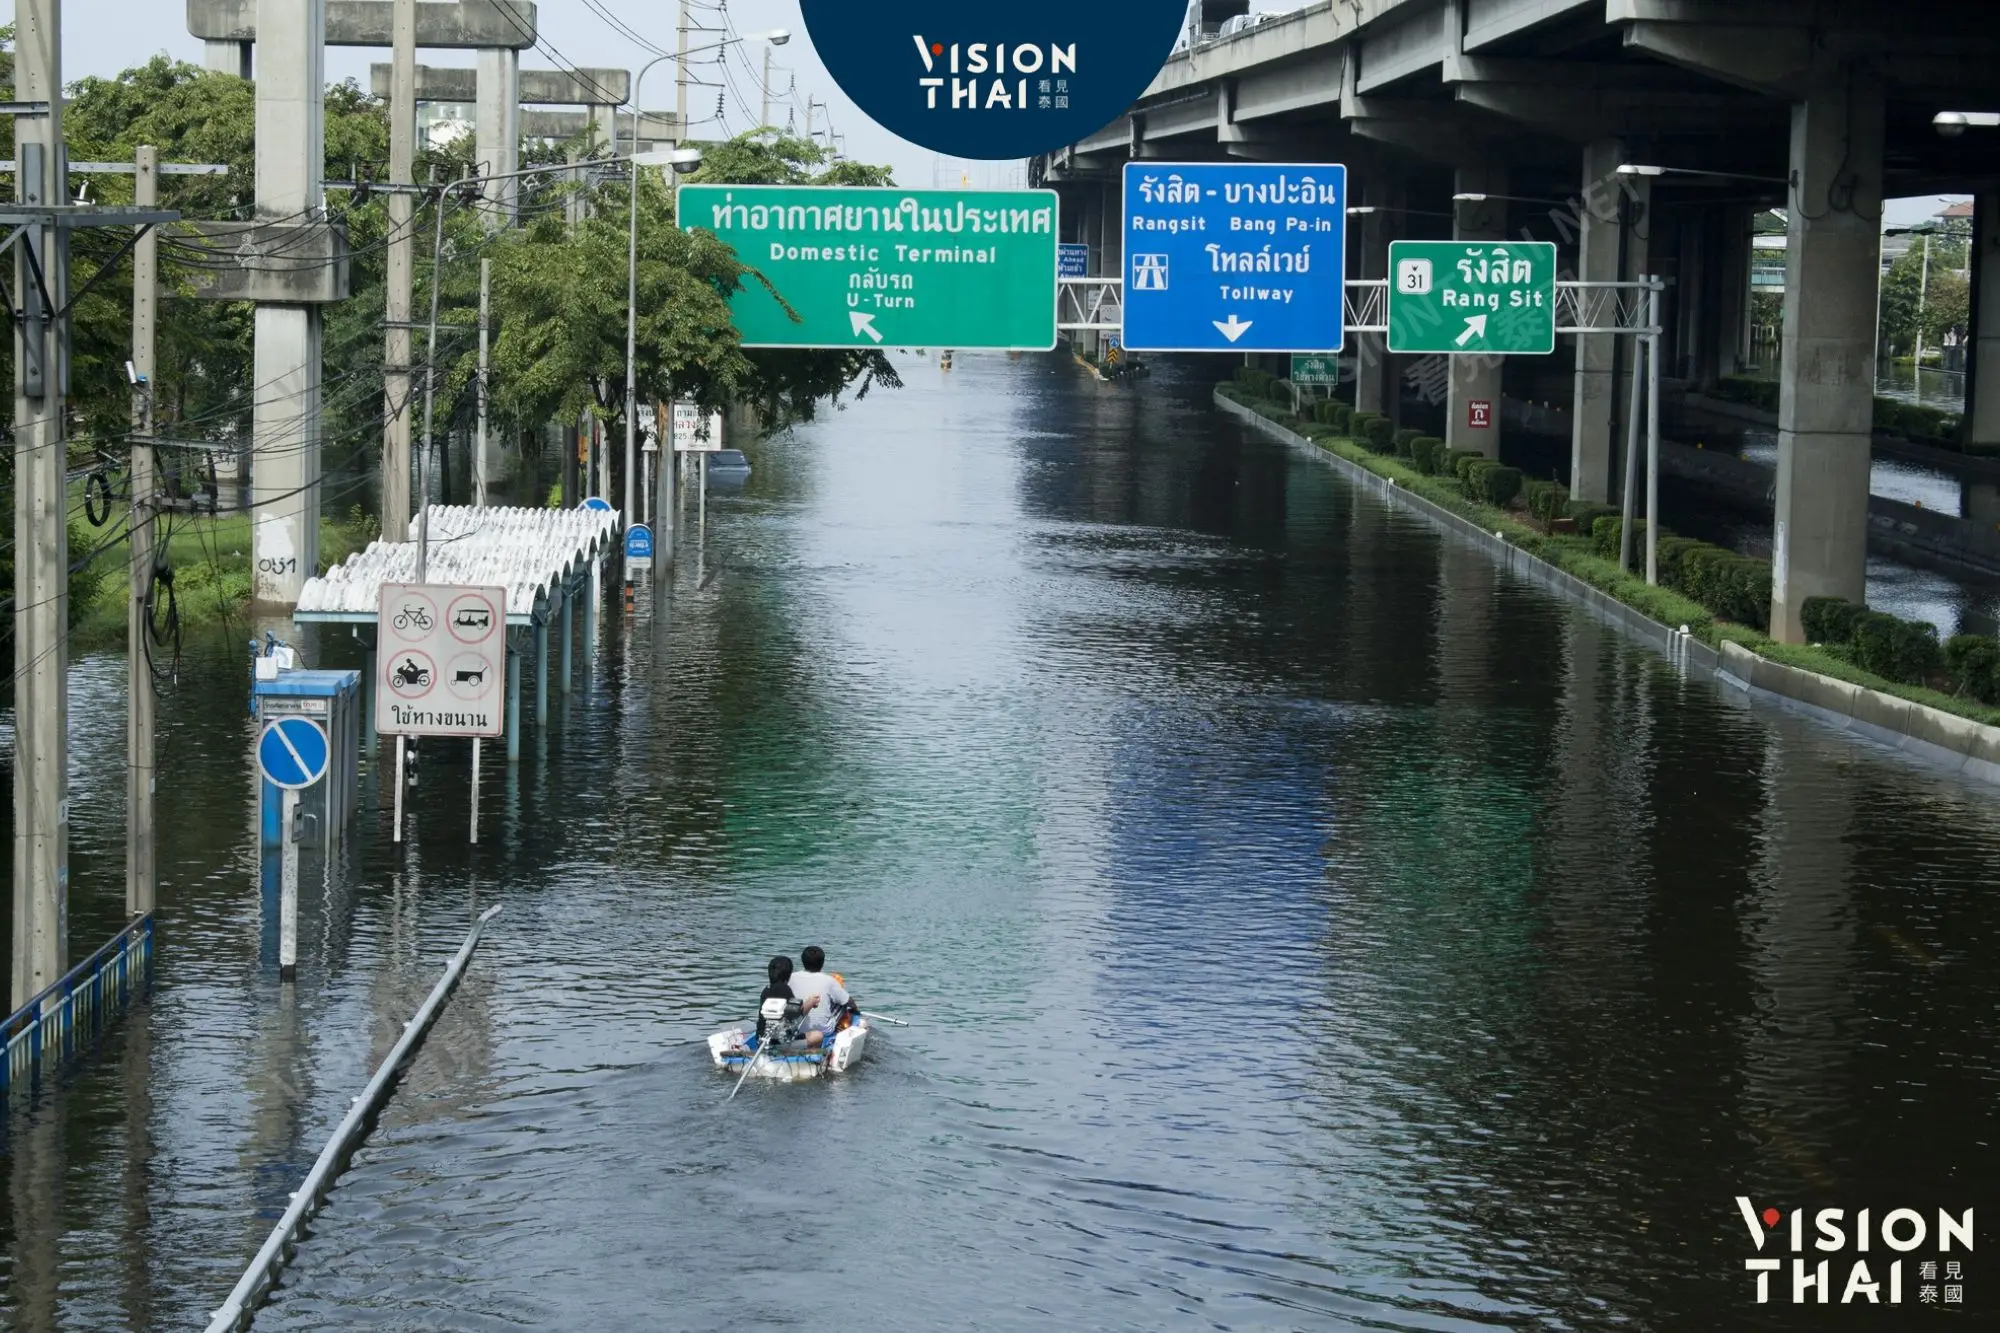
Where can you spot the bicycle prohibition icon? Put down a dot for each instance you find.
(413, 615)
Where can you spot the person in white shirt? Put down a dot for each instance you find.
(828, 1001)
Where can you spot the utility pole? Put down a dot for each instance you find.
(139, 873)
(680, 81)
(479, 445)
(41, 532)
(401, 269)
(764, 111)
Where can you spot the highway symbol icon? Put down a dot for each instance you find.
(1149, 273)
(293, 752)
(441, 660)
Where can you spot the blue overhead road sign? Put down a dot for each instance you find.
(292, 752)
(1072, 260)
(1234, 256)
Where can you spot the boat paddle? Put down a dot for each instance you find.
(874, 1017)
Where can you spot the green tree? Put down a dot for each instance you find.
(559, 297)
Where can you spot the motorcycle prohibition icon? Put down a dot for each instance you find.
(411, 676)
(413, 616)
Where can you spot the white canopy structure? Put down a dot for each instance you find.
(529, 552)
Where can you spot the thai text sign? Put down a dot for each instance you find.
(1234, 256)
(441, 660)
(1458, 298)
(866, 267)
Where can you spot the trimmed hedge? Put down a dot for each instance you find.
(1404, 438)
(1913, 421)
(1829, 619)
(1586, 515)
(1974, 663)
(1904, 650)
(1499, 485)
(1427, 452)
(1546, 500)
(1377, 432)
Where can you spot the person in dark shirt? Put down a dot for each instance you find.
(779, 972)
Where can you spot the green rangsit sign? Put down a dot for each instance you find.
(1312, 369)
(869, 267)
(1468, 297)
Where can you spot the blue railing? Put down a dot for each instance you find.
(55, 1023)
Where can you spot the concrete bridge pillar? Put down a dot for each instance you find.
(1609, 249)
(1374, 380)
(227, 58)
(1473, 395)
(285, 420)
(497, 131)
(1732, 295)
(1826, 396)
(1980, 500)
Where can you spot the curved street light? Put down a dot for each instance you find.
(682, 159)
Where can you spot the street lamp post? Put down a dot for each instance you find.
(680, 159)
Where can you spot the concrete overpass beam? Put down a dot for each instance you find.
(227, 57)
(1826, 402)
(1475, 380)
(497, 131)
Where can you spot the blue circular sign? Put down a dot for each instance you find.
(292, 752)
(995, 82)
(597, 503)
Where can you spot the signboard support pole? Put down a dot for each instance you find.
(590, 616)
(288, 899)
(1631, 463)
(568, 635)
(514, 665)
(669, 462)
(477, 745)
(479, 445)
(542, 674)
(371, 683)
(396, 829)
(703, 520)
(1653, 436)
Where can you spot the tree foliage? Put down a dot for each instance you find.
(1945, 297)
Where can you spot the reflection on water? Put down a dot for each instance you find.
(1304, 925)
(1934, 386)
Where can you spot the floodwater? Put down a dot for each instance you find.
(1301, 924)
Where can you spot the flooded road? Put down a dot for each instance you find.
(1302, 925)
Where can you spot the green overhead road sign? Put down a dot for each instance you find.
(1310, 369)
(869, 267)
(1459, 298)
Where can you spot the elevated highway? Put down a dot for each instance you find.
(1641, 136)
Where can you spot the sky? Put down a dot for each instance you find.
(106, 36)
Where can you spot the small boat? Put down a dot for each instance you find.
(791, 1061)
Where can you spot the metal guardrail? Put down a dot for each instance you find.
(55, 1023)
(1085, 305)
(250, 1290)
(1097, 305)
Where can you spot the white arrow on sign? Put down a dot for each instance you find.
(863, 324)
(1235, 328)
(1475, 327)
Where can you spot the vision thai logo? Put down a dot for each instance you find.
(1894, 1256)
(998, 82)
(986, 85)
